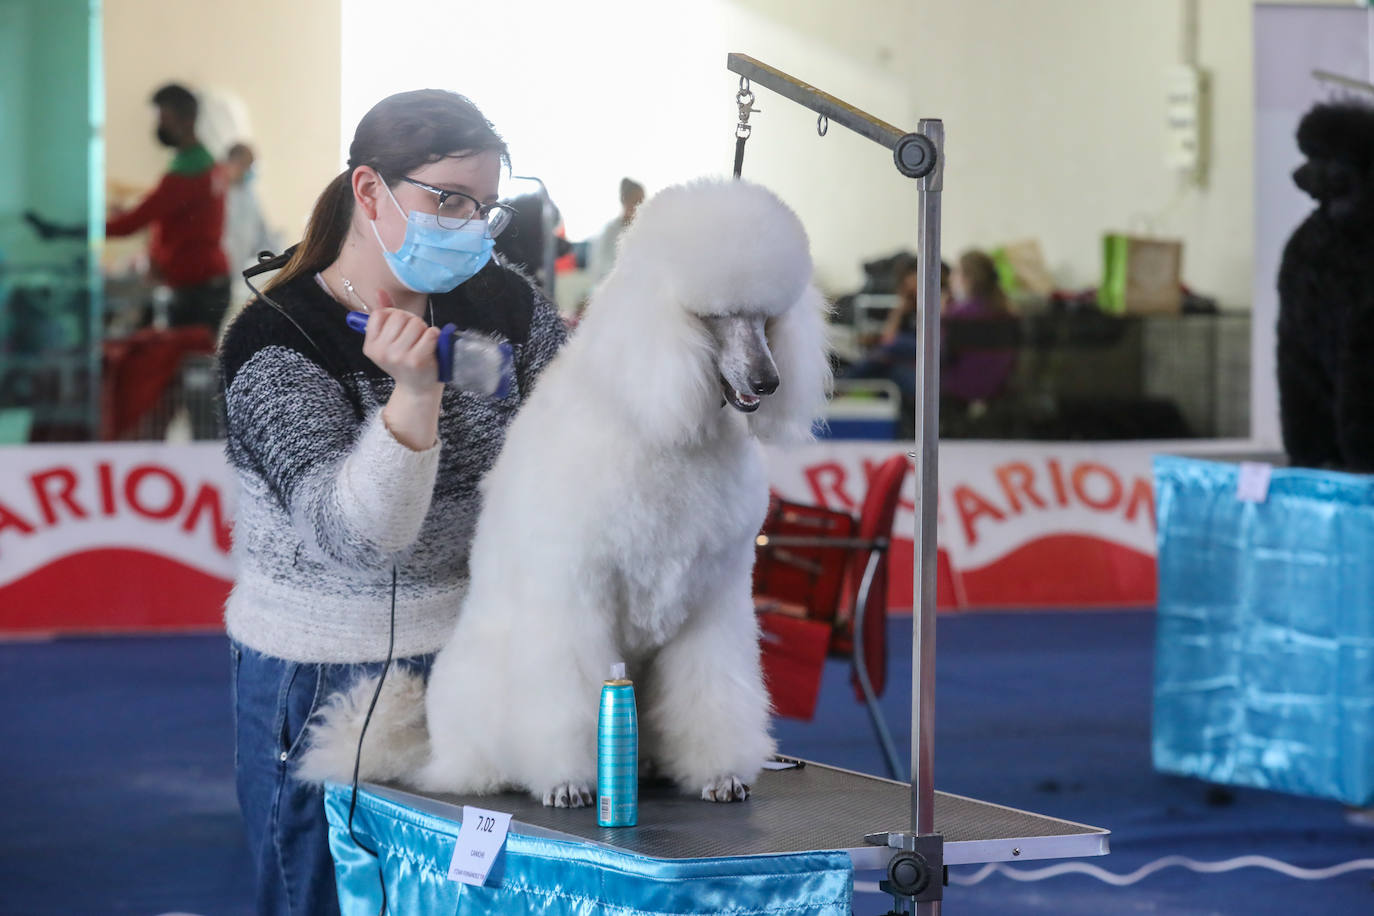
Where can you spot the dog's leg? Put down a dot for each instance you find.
(554, 721)
(549, 710)
(705, 700)
(461, 708)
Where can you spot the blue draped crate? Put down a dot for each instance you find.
(551, 877)
(862, 409)
(1264, 661)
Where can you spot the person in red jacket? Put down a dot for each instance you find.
(184, 215)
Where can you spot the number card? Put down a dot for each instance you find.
(1252, 485)
(479, 843)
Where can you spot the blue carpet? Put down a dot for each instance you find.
(1050, 712)
(118, 778)
(117, 775)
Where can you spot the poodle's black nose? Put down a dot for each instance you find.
(764, 385)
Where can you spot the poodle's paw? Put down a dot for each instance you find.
(725, 789)
(569, 795)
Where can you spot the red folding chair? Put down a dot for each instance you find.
(825, 568)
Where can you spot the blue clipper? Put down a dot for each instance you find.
(617, 753)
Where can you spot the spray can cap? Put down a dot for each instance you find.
(618, 671)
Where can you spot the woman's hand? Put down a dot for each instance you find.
(403, 347)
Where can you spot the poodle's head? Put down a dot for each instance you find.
(1338, 141)
(711, 307)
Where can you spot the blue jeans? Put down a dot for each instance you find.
(288, 836)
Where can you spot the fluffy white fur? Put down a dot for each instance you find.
(396, 745)
(619, 522)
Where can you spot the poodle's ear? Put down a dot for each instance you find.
(802, 355)
(656, 361)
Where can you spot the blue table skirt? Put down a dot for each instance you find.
(537, 875)
(1264, 662)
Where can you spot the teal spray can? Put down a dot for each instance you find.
(617, 753)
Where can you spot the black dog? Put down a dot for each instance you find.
(1326, 296)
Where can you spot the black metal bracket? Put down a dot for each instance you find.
(914, 155)
(916, 873)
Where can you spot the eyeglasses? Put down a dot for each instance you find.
(457, 209)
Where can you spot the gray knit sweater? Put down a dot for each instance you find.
(329, 500)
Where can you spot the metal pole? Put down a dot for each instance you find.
(927, 455)
(915, 872)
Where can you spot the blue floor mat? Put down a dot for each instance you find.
(117, 775)
(1050, 712)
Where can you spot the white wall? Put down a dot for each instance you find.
(280, 59)
(1054, 111)
(586, 93)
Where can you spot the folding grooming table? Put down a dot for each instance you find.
(810, 807)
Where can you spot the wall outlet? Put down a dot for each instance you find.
(1185, 111)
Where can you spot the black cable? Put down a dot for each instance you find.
(267, 262)
(358, 757)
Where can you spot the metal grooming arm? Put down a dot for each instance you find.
(916, 870)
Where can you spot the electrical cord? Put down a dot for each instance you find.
(358, 757)
(269, 262)
(968, 879)
(1144, 871)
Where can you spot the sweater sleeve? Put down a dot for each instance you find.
(161, 201)
(355, 495)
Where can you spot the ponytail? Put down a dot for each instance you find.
(324, 234)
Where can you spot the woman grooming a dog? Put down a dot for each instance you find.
(358, 469)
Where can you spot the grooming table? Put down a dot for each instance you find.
(803, 809)
(791, 848)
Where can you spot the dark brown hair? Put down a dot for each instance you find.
(629, 188)
(980, 273)
(398, 135)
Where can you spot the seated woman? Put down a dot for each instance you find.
(892, 353)
(969, 374)
(977, 373)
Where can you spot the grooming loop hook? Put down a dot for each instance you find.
(745, 100)
(822, 125)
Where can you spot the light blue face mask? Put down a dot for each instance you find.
(433, 259)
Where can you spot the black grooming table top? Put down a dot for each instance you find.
(810, 807)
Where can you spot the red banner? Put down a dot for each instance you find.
(114, 536)
(129, 536)
(1019, 524)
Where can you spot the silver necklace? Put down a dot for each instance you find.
(353, 293)
(348, 288)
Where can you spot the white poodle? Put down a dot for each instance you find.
(618, 525)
